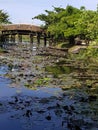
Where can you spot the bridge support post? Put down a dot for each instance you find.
(31, 38)
(45, 39)
(31, 42)
(5, 41)
(38, 38)
(12, 38)
(50, 37)
(7, 38)
(19, 38)
(2, 40)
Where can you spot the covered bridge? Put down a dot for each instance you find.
(9, 32)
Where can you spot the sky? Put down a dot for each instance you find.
(22, 11)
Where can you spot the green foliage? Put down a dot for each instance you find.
(42, 81)
(88, 24)
(87, 55)
(57, 70)
(1, 50)
(4, 17)
(71, 22)
(92, 50)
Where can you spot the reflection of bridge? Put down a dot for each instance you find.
(9, 32)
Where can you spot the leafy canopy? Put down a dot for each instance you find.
(4, 17)
(71, 22)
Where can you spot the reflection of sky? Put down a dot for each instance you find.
(3, 70)
(22, 11)
(8, 89)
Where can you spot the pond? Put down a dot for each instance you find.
(23, 101)
(42, 90)
(45, 108)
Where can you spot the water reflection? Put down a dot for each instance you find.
(3, 70)
(57, 113)
(43, 109)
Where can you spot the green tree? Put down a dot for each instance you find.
(4, 17)
(87, 24)
(71, 22)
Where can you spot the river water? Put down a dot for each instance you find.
(21, 108)
(44, 108)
